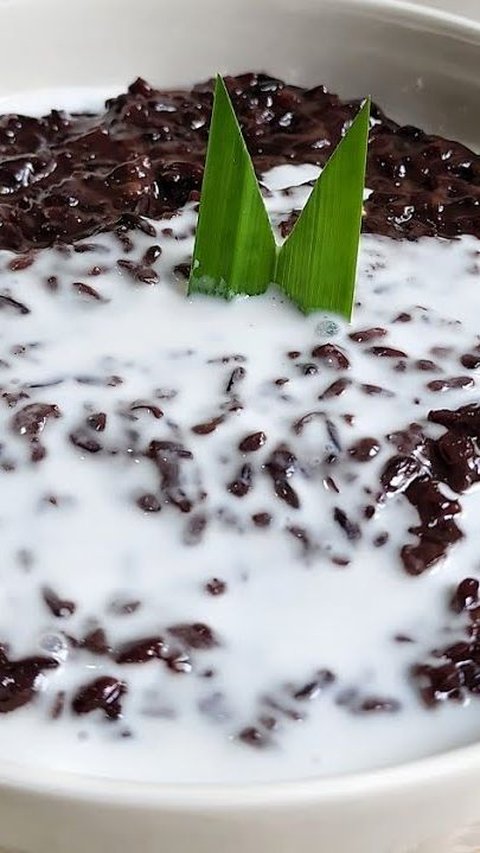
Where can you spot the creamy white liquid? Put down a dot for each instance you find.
(283, 616)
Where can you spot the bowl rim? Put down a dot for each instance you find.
(206, 797)
(202, 797)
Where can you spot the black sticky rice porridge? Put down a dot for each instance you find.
(237, 543)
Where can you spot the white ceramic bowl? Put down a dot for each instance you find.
(423, 67)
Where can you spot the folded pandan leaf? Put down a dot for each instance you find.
(317, 264)
(235, 249)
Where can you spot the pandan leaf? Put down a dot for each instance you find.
(235, 250)
(317, 264)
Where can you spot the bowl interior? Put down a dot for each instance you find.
(423, 68)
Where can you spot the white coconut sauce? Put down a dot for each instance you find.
(285, 614)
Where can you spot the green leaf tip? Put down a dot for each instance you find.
(317, 264)
(235, 249)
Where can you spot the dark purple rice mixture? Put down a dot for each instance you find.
(65, 178)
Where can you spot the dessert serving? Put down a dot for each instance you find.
(239, 543)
